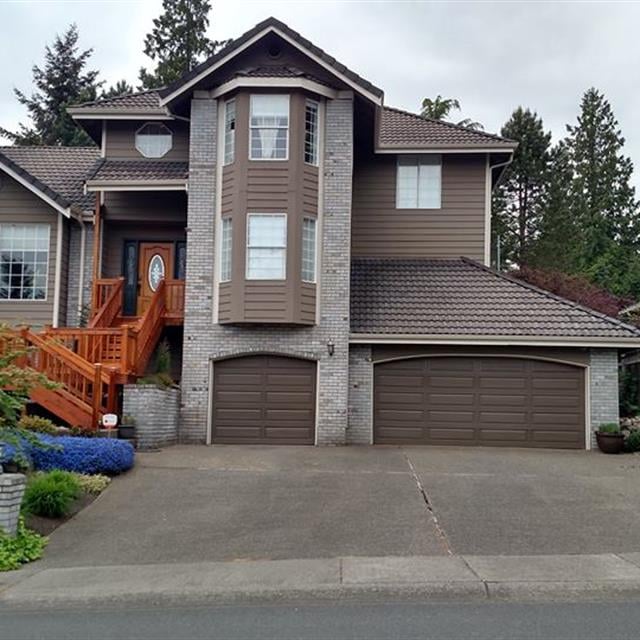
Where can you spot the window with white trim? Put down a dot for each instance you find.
(266, 246)
(311, 132)
(419, 182)
(24, 261)
(269, 124)
(226, 247)
(229, 131)
(154, 140)
(309, 249)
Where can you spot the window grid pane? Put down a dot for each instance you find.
(154, 140)
(24, 261)
(309, 249)
(419, 182)
(226, 250)
(269, 123)
(229, 131)
(266, 246)
(311, 133)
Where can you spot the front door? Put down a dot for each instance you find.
(155, 263)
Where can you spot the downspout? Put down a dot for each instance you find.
(488, 194)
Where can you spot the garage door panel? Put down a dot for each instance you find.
(480, 400)
(263, 400)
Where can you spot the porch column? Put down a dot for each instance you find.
(97, 244)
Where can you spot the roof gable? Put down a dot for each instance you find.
(270, 26)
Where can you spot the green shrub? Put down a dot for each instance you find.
(92, 484)
(25, 547)
(609, 427)
(50, 494)
(38, 424)
(632, 441)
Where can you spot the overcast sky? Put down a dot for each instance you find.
(492, 56)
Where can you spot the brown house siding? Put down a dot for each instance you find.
(286, 186)
(157, 207)
(19, 205)
(120, 140)
(457, 229)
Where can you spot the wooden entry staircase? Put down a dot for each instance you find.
(90, 362)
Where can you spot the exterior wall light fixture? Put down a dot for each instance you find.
(330, 347)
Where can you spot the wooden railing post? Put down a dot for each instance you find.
(97, 395)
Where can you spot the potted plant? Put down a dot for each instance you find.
(127, 428)
(609, 438)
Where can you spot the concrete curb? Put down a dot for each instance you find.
(567, 577)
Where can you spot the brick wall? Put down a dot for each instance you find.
(156, 412)
(204, 340)
(603, 388)
(73, 316)
(12, 486)
(360, 429)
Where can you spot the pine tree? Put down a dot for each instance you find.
(602, 197)
(120, 88)
(177, 42)
(62, 81)
(518, 202)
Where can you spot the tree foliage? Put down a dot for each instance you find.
(440, 108)
(63, 80)
(178, 41)
(120, 88)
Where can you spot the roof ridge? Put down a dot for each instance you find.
(552, 296)
(48, 146)
(452, 125)
(122, 95)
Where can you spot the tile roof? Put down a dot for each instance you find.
(139, 101)
(59, 172)
(401, 129)
(290, 33)
(463, 298)
(275, 71)
(139, 171)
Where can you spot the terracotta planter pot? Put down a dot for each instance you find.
(610, 442)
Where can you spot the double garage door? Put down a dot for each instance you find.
(479, 401)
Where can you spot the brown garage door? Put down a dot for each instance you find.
(264, 400)
(479, 401)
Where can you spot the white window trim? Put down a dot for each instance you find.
(161, 124)
(418, 207)
(315, 103)
(247, 247)
(223, 279)
(251, 128)
(232, 101)
(46, 282)
(315, 250)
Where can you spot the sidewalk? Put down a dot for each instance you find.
(565, 577)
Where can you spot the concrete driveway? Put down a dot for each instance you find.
(197, 504)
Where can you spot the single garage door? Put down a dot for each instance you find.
(264, 400)
(479, 401)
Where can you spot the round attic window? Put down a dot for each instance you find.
(154, 140)
(274, 51)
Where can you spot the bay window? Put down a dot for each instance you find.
(226, 244)
(229, 131)
(266, 246)
(269, 124)
(311, 132)
(309, 249)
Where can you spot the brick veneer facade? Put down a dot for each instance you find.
(205, 341)
(603, 388)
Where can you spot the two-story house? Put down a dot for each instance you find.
(318, 259)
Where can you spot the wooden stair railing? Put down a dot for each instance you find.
(109, 295)
(149, 327)
(88, 390)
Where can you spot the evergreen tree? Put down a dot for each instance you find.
(120, 88)
(602, 198)
(177, 42)
(61, 82)
(518, 202)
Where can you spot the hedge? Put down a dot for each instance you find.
(82, 455)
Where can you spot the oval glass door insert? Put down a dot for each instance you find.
(156, 271)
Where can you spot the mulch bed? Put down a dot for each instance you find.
(45, 526)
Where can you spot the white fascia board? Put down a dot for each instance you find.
(427, 150)
(496, 341)
(203, 74)
(276, 82)
(120, 115)
(65, 211)
(137, 186)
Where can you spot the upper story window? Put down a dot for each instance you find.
(226, 245)
(154, 140)
(309, 249)
(311, 132)
(419, 182)
(266, 246)
(229, 131)
(269, 127)
(24, 261)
